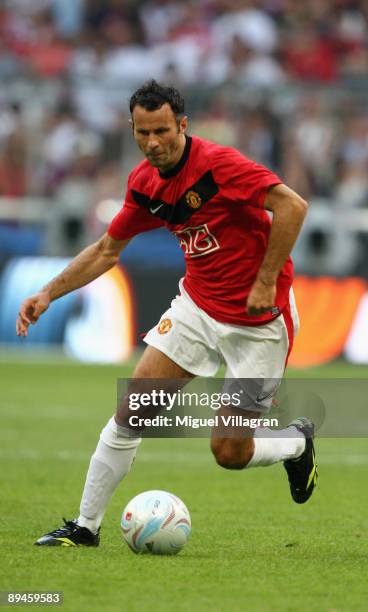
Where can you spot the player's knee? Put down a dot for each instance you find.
(232, 454)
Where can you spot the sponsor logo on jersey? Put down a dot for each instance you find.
(193, 199)
(197, 241)
(164, 326)
(128, 516)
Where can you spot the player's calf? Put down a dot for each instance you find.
(232, 453)
(232, 444)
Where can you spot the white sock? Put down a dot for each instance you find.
(110, 462)
(273, 446)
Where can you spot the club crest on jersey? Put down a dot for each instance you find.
(193, 199)
(164, 326)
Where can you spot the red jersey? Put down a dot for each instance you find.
(213, 201)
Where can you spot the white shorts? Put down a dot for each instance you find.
(200, 344)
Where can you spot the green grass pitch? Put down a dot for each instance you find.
(251, 548)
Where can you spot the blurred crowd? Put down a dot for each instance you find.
(201, 41)
(261, 75)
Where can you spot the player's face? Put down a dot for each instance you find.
(159, 136)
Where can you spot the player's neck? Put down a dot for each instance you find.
(177, 157)
(180, 159)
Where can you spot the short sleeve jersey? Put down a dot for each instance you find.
(213, 202)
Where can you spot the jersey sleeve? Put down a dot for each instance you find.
(244, 181)
(132, 219)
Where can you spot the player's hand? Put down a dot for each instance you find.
(30, 311)
(261, 298)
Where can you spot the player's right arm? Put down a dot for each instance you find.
(93, 261)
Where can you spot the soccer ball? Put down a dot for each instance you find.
(156, 522)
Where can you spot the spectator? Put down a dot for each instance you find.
(309, 56)
(315, 132)
(250, 57)
(68, 17)
(258, 139)
(253, 26)
(100, 70)
(158, 17)
(59, 144)
(13, 179)
(253, 67)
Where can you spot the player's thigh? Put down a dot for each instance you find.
(154, 375)
(187, 336)
(155, 364)
(256, 352)
(255, 362)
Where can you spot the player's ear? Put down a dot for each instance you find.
(131, 123)
(183, 124)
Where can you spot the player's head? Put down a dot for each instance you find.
(159, 123)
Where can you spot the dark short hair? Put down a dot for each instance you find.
(153, 95)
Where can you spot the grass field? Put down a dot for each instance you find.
(251, 548)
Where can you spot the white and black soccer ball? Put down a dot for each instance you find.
(156, 522)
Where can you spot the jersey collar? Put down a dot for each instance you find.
(181, 163)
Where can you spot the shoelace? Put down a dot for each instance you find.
(68, 526)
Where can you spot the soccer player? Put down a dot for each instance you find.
(235, 304)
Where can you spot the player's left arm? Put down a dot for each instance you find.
(289, 210)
